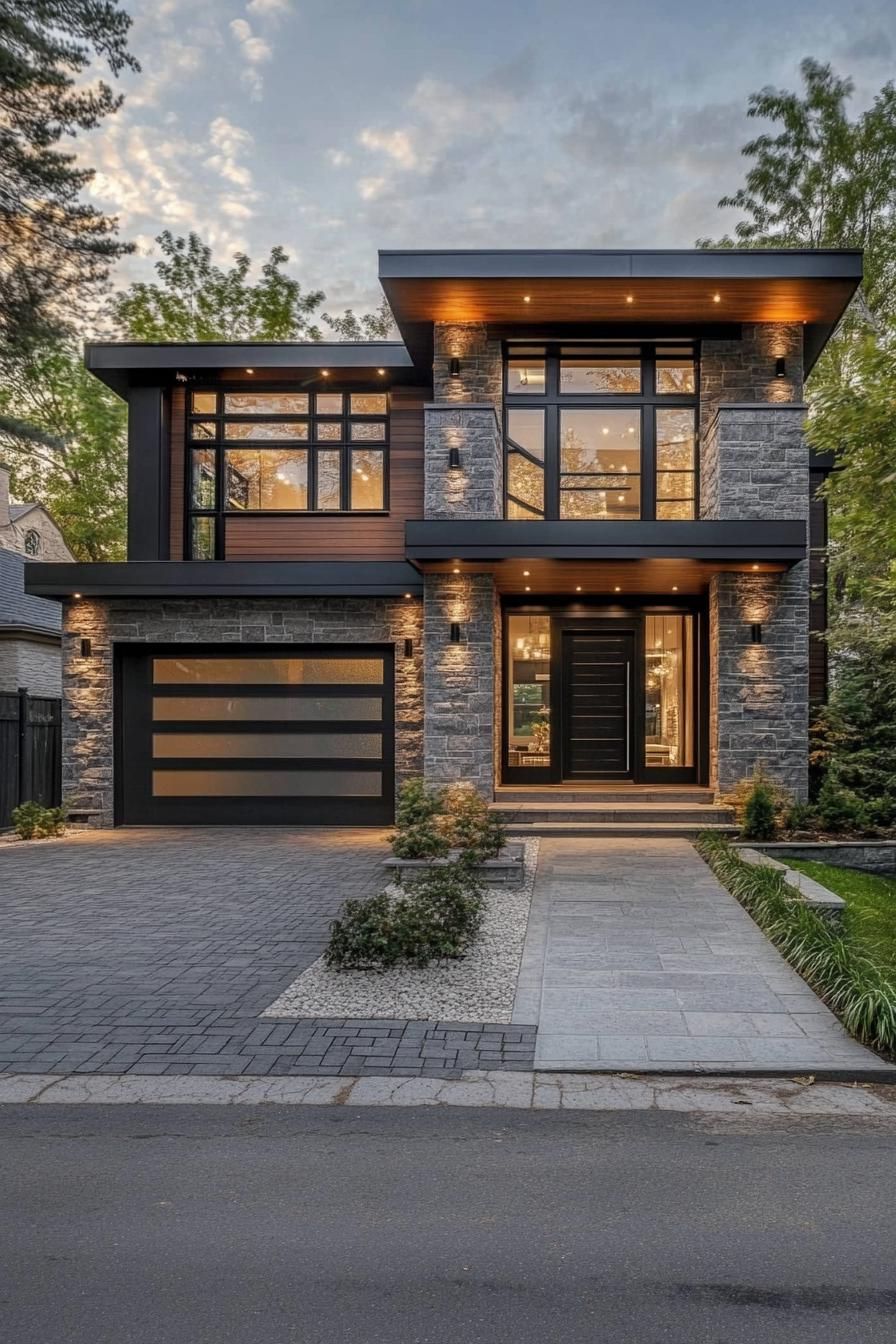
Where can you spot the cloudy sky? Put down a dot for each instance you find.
(335, 127)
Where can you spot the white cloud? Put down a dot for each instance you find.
(396, 145)
(230, 141)
(339, 158)
(255, 49)
(371, 187)
(269, 8)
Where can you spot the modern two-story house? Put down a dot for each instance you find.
(562, 535)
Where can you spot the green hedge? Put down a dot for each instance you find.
(850, 982)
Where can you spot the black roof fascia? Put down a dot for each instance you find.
(585, 263)
(120, 363)
(782, 542)
(225, 578)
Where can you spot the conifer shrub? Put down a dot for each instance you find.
(760, 820)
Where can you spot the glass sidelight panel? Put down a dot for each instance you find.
(669, 691)
(675, 462)
(528, 698)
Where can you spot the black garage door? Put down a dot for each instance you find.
(248, 735)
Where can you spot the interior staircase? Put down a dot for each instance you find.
(600, 810)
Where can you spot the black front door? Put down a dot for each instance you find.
(598, 702)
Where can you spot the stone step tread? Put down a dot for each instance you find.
(610, 829)
(649, 809)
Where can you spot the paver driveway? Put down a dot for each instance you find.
(155, 951)
(637, 958)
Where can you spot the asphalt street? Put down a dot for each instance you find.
(224, 1225)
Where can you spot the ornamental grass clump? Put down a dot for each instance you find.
(854, 987)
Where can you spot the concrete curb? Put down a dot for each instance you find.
(491, 1089)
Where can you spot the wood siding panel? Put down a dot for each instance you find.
(176, 469)
(343, 536)
(818, 600)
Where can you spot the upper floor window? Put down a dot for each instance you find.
(32, 542)
(600, 432)
(264, 451)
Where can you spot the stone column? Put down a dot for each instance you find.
(459, 681)
(756, 465)
(464, 418)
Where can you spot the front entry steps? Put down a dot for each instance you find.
(634, 813)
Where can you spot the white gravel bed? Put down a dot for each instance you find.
(480, 987)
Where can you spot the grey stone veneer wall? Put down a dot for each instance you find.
(744, 370)
(481, 369)
(459, 680)
(87, 742)
(757, 466)
(466, 415)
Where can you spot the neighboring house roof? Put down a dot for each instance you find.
(18, 609)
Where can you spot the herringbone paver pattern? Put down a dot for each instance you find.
(156, 952)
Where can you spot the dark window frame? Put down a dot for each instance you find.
(552, 400)
(219, 445)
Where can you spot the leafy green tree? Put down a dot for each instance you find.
(859, 723)
(63, 434)
(195, 300)
(55, 250)
(822, 180)
(853, 416)
(376, 326)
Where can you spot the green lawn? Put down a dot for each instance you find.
(870, 916)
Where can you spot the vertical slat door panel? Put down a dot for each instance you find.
(598, 705)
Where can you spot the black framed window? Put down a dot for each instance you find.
(264, 450)
(601, 431)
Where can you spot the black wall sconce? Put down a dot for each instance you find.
(409, 648)
(756, 633)
(455, 632)
(86, 648)
(454, 367)
(780, 367)
(454, 458)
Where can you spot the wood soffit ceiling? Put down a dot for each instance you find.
(599, 300)
(600, 578)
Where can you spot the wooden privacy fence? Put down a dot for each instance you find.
(30, 752)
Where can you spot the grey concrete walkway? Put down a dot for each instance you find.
(637, 959)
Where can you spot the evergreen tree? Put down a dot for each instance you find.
(55, 250)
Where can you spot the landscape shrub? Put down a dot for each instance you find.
(738, 797)
(853, 985)
(420, 833)
(472, 827)
(33, 821)
(800, 817)
(760, 820)
(436, 915)
(840, 808)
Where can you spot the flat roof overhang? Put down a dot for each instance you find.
(604, 558)
(640, 289)
(124, 364)
(225, 578)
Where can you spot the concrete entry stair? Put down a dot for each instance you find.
(637, 959)
(606, 812)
